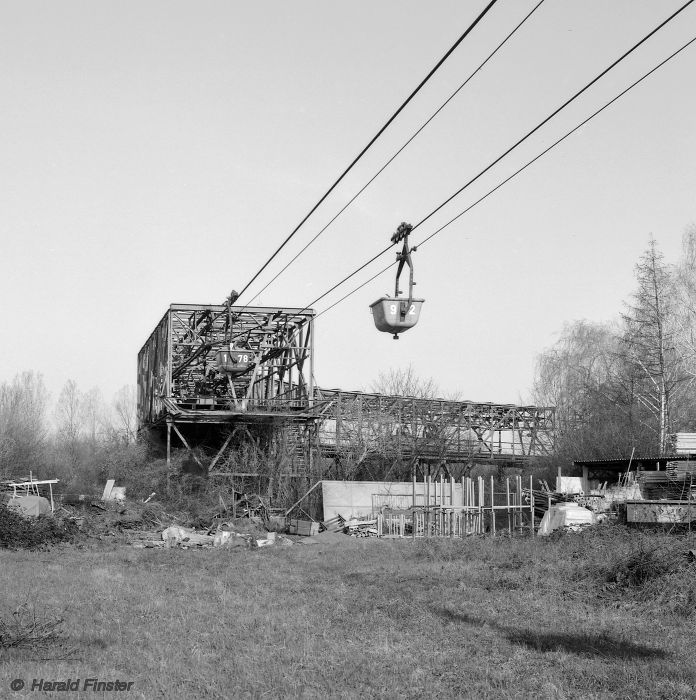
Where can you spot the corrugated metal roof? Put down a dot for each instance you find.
(625, 460)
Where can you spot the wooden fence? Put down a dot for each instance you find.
(480, 506)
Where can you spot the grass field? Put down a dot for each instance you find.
(347, 618)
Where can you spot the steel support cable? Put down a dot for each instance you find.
(514, 146)
(403, 147)
(372, 141)
(516, 173)
(555, 112)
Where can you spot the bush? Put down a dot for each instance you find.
(18, 532)
(642, 565)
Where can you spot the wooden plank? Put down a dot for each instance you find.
(107, 489)
(220, 453)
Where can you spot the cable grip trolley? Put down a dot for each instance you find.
(391, 314)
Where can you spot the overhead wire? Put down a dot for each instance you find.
(511, 148)
(516, 173)
(403, 147)
(555, 112)
(469, 29)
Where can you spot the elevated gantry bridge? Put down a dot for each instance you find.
(207, 370)
(430, 429)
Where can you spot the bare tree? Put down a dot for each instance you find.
(685, 307)
(648, 343)
(382, 436)
(124, 404)
(23, 426)
(621, 386)
(69, 413)
(582, 377)
(404, 382)
(94, 416)
(69, 417)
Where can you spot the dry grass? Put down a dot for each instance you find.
(30, 628)
(482, 618)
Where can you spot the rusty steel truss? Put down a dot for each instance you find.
(189, 387)
(430, 429)
(179, 372)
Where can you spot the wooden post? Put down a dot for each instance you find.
(474, 513)
(518, 498)
(426, 524)
(492, 506)
(220, 453)
(481, 495)
(169, 453)
(451, 515)
(413, 509)
(469, 499)
(507, 501)
(463, 518)
(474, 519)
(531, 503)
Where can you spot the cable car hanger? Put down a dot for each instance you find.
(392, 315)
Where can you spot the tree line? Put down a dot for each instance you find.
(618, 387)
(79, 439)
(625, 386)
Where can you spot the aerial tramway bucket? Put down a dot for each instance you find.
(391, 314)
(234, 361)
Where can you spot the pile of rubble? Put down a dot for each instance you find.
(225, 535)
(361, 528)
(248, 522)
(355, 527)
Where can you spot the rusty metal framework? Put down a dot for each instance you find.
(190, 388)
(179, 371)
(431, 429)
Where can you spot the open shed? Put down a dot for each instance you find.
(598, 471)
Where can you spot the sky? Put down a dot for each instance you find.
(159, 152)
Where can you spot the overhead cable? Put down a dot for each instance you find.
(513, 147)
(515, 174)
(554, 113)
(403, 147)
(372, 140)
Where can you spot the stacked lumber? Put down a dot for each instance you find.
(656, 486)
(335, 524)
(361, 528)
(542, 499)
(143, 539)
(681, 469)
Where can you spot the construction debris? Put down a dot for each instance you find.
(113, 493)
(335, 524)
(30, 487)
(361, 528)
(306, 528)
(566, 516)
(29, 506)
